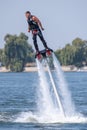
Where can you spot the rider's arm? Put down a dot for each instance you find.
(38, 21)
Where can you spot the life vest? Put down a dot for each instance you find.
(32, 24)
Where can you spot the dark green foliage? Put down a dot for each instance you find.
(16, 66)
(73, 54)
(1, 54)
(17, 52)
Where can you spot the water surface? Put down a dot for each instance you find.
(18, 95)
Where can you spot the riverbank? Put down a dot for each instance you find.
(64, 68)
(34, 69)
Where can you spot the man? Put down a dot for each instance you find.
(35, 26)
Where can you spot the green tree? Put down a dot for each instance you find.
(2, 56)
(17, 52)
(73, 54)
(1, 53)
(79, 46)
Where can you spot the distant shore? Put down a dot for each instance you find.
(34, 69)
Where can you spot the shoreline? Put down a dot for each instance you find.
(34, 69)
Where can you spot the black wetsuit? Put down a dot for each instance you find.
(36, 31)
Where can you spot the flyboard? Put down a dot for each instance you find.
(44, 55)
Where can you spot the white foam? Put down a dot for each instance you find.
(27, 117)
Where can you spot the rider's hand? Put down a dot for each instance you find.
(42, 29)
(28, 30)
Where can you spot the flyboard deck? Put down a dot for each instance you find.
(44, 54)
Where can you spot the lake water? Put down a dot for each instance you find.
(18, 100)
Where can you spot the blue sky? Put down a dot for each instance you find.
(63, 20)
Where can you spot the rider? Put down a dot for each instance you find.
(34, 25)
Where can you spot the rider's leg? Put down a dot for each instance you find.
(35, 42)
(42, 39)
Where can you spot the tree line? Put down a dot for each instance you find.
(74, 53)
(17, 52)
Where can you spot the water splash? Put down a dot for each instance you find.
(26, 117)
(44, 101)
(64, 91)
(55, 92)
